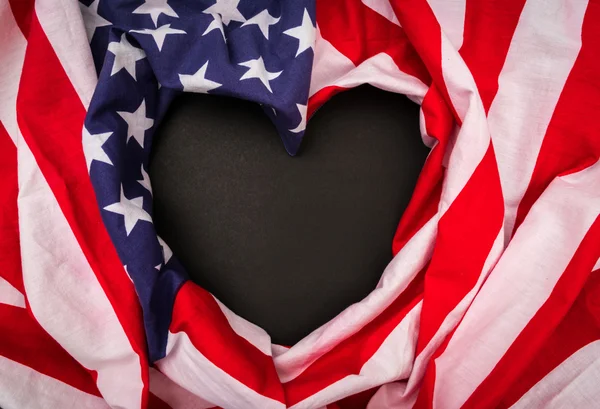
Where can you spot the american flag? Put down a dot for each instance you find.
(491, 300)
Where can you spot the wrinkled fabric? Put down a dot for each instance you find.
(491, 297)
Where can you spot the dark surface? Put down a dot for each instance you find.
(286, 243)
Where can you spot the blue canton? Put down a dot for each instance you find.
(146, 53)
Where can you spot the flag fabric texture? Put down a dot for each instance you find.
(492, 299)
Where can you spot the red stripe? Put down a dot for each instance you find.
(425, 36)
(424, 203)
(10, 251)
(196, 313)
(425, 199)
(50, 116)
(154, 402)
(454, 272)
(23, 12)
(365, 34)
(454, 268)
(488, 22)
(484, 25)
(356, 401)
(580, 327)
(320, 97)
(571, 142)
(539, 348)
(465, 237)
(425, 396)
(349, 356)
(568, 146)
(25, 342)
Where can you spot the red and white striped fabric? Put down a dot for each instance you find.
(492, 298)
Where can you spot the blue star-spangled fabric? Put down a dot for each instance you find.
(146, 53)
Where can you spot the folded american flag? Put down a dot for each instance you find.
(491, 299)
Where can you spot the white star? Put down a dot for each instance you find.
(302, 125)
(305, 33)
(159, 34)
(263, 20)
(131, 210)
(167, 253)
(198, 82)
(158, 267)
(145, 181)
(227, 9)
(258, 70)
(216, 24)
(126, 56)
(128, 274)
(137, 123)
(155, 8)
(91, 19)
(92, 147)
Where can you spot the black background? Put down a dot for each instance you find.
(285, 242)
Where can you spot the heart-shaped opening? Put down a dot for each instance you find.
(286, 243)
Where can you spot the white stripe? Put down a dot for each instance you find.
(332, 68)
(63, 25)
(328, 64)
(382, 72)
(64, 293)
(472, 139)
(174, 395)
(450, 15)
(393, 360)
(519, 285)
(277, 350)
(12, 50)
(389, 396)
(395, 279)
(384, 8)
(403, 395)
(189, 368)
(543, 50)
(572, 384)
(245, 329)
(429, 141)
(596, 266)
(22, 387)
(10, 295)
